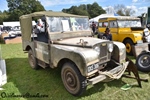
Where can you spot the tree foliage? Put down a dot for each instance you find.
(123, 11)
(21, 7)
(4, 16)
(95, 10)
(76, 10)
(91, 10)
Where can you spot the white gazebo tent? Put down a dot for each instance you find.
(95, 19)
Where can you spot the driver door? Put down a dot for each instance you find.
(114, 30)
(42, 51)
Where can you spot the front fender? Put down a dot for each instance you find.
(82, 57)
(137, 37)
(119, 52)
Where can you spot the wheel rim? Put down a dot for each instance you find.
(128, 47)
(144, 61)
(70, 80)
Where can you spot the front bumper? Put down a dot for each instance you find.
(112, 74)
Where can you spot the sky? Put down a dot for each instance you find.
(140, 6)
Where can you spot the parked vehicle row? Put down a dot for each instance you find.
(11, 31)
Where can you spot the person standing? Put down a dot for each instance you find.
(37, 27)
(107, 34)
(93, 27)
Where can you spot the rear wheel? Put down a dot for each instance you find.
(143, 62)
(128, 43)
(32, 60)
(72, 79)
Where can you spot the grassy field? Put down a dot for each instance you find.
(46, 83)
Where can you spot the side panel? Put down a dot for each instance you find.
(41, 51)
(114, 32)
(127, 33)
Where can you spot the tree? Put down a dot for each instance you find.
(95, 10)
(87, 10)
(123, 11)
(21, 7)
(81, 10)
(4, 16)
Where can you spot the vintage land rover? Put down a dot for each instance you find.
(125, 29)
(64, 41)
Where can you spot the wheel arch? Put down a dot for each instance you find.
(28, 48)
(127, 39)
(65, 60)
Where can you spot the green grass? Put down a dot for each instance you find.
(22, 79)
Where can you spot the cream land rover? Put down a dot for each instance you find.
(83, 59)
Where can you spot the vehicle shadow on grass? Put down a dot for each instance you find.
(100, 87)
(46, 81)
(115, 85)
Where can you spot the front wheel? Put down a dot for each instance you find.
(143, 62)
(128, 43)
(72, 79)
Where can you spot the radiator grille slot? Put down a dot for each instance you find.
(103, 50)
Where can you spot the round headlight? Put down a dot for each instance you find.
(97, 49)
(110, 47)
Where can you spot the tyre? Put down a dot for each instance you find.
(143, 62)
(32, 60)
(128, 43)
(72, 79)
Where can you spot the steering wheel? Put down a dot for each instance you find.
(104, 37)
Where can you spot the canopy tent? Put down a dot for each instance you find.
(95, 19)
(16, 23)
